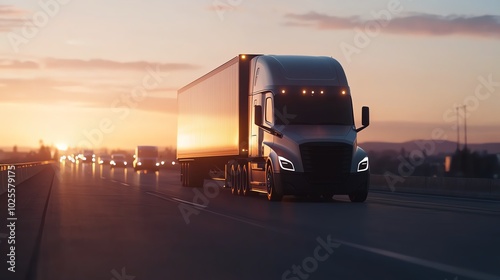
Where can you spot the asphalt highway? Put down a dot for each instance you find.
(85, 221)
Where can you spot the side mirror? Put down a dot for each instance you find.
(365, 118)
(258, 115)
(259, 121)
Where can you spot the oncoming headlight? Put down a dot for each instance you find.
(363, 165)
(286, 164)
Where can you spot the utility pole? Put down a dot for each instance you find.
(458, 129)
(465, 126)
(465, 162)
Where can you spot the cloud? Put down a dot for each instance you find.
(86, 84)
(47, 91)
(219, 6)
(11, 17)
(486, 26)
(18, 64)
(113, 65)
(92, 64)
(11, 11)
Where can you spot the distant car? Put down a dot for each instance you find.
(72, 158)
(87, 156)
(104, 160)
(118, 160)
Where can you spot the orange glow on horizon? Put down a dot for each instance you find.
(62, 146)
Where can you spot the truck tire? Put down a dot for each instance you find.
(239, 191)
(359, 195)
(232, 180)
(245, 183)
(273, 194)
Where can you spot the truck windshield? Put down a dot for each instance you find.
(297, 106)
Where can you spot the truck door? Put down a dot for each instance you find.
(256, 133)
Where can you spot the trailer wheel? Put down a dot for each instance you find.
(245, 184)
(272, 193)
(239, 191)
(232, 180)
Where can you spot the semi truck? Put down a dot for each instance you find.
(146, 158)
(273, 124)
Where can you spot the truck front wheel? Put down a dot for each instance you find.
(359, 195)
(272, 193)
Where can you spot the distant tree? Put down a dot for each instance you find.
(474, 165)
(14, 149)
(43, 152)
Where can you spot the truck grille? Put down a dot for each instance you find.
(326, 162)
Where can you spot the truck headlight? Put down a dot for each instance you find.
(286, 164)
(363, 165)
(139, 163)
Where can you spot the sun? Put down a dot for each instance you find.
(61, 146)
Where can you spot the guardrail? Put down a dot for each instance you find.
(448, 186)
(20, 172)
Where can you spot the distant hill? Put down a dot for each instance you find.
(444, 147)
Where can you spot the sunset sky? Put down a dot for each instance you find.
(106, 72)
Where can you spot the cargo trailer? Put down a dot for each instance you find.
(274, 124)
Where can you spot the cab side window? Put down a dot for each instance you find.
(269, 110)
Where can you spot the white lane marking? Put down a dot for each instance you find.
(442, 197)
(125, 184)
(425, 263)
(190, 203)
(180, 200)
(203, 208)
(176, 200)
(435, 204)
(240, 220)
(171, 198)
